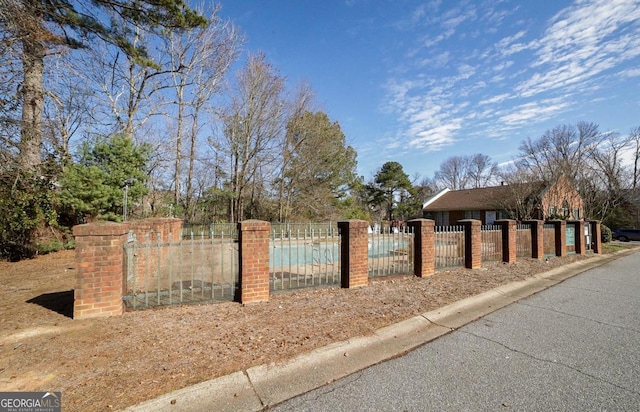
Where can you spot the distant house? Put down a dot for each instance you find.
(522, 201)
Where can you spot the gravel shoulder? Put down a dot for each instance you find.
(109, 364)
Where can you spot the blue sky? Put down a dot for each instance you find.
(419, 81)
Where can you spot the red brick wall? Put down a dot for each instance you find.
(472, 243)
(101, 276)
(354, 257)
(537, 238)
(596, 236)
(560, 236)
(509, 239)
(254, 260)
(100, 269)
(562, 190)
(423, 247)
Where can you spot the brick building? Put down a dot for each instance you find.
(523, 201)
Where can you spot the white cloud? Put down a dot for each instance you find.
(534, 112)
(579, 44)
(436, 137)
(630, 73)
(495, 99)
(507, 45)
(492, 92)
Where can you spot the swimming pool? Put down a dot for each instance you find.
(284, 253)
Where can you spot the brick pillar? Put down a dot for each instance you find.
(596, 236)
(354, 257)
(472, 243)
(100, 279)
(509, 240)
(537, 238)
(253, 238)
(424, 247)
(560, 236)
(580, 240)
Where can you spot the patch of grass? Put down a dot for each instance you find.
(55, 245)
(609, 248)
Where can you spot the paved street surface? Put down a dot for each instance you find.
(573, 347)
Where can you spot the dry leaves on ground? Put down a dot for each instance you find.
(105, 364)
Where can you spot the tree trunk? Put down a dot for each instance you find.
(178, 160)
(32, 104)
(190, 201)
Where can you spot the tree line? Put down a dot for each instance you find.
(603, 166)
(145, 107)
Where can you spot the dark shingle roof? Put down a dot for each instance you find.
(480, 199)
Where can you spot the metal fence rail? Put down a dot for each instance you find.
(179, 271)
(210, 230)
(304, 258)
(491, 242)
(549, 243)
(523, 240)
(390, 252)
(309, 227)
(449, 242)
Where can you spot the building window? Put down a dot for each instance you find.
(565, 209)
(441, 218)
(472, 214)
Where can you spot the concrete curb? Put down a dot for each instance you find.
(263, 386)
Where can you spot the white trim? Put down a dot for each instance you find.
(434, 198)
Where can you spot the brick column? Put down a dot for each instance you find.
(560, 236)
(253, 238)
(509, 240)
(580, 240)
(596, 236)
(100, 279)
(424, 247)
(472, 243)
(354, 257)
(537, 238)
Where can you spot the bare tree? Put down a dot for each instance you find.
(252, 128)
(520, 195)
(482, 171)
(634, 140)
(453, 173)
(607, 179)
(201, 58)
(67, 109)
(560, 151)
(42, 27)
(590, 159)
(300, 104)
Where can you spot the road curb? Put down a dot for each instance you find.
(266, 385)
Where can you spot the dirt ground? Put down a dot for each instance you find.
(112, 363)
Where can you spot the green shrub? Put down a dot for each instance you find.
(54, 245)
(605, 233)
(27, 204)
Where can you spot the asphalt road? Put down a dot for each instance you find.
(573, 347)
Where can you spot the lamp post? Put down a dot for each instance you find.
(127, 183)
